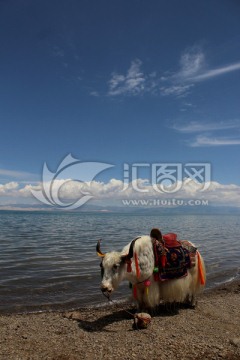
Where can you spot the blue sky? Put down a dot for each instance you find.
(118, 82)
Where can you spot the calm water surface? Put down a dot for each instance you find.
(48, 260)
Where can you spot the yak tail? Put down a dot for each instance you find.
(201, 270)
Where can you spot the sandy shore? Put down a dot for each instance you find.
(211, 331)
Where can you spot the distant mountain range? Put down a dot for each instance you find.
(194, 210)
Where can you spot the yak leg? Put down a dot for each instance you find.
(191, 301)
(172, 308)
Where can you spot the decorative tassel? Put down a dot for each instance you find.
(129, 266)
(147, 283)
(200, 270)
(135, 292)
(137, 265)
(163, 260)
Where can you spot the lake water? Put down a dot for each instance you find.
(48, 259)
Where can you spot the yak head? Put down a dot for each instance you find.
(113, 267)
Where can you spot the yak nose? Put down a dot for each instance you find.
(105, 289)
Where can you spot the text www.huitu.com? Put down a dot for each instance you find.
(164, 202)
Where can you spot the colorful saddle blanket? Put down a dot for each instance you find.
(174, 258)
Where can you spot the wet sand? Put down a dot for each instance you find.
(211, 331)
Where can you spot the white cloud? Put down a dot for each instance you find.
(94, 93)
(136, 82)
(216, 72)
(193, 68)
(208, 132)
(191, 62)
(201, 141)
(195, 126)
(216, 193)
(7, 188)
(176, 90)
(14, 174)
(26, 190)
(133, 83)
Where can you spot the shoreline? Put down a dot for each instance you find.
(123, 299)
(211, 331)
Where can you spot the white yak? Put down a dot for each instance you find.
(148, 292)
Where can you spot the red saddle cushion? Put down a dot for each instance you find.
(171, 240)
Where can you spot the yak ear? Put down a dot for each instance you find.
(98, 250)
(130, 252)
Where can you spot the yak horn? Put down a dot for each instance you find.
(130, 252)
(99, 250)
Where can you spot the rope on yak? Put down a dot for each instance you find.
(141, 320)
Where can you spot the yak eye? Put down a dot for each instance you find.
(115, 266)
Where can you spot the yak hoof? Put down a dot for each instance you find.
(191, 302)
(172, 308)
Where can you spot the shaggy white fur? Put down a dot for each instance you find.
(177, 290)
